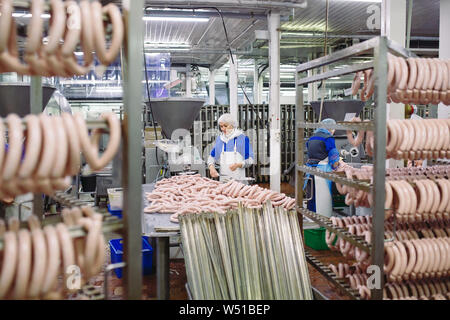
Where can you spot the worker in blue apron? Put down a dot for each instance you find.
(322, 155)
(232, 151)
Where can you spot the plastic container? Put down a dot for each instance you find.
(115, 196)
(117, 213)
(116, 248)
(315, 238)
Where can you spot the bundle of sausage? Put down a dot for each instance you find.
(356, 225)
(70, 24)
(412, 80)
(409, 139)
(421, 254)
(419, 171)
(418, 199)
(196, 194)
(355, 275)
(418, 139)
(359, 198)
(412, 199)
(417, 230)
(417, 259)
(402, 230)
(428, 289)
(51, 151)
(33, 259)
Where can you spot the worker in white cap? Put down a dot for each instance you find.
(232, 151)
(322, 155)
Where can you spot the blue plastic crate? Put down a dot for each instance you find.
(116, 248)
(117, 213)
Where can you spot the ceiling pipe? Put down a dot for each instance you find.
(203, 14)
(211, 22)
(197, 51)
(257, 4)
(302, 34)
(244, 32)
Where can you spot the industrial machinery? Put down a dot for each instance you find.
(15, 97)
(342, 110)
(175, 116)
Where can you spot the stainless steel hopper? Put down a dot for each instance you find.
(175, 113)
(15, 98)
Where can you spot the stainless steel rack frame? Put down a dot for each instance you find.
(340, 232)
(110, 224)
(132, 61)
(379, 47)
(336, 178)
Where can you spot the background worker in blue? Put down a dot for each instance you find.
(323, 155)
(232, 151)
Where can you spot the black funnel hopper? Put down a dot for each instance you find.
(337, 109)
(175, 113)
(15, 98)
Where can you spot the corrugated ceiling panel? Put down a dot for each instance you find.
(345, 17)
(350, 17)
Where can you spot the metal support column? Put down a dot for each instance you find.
(444, 47)
(260, 89)
(188, 81)
(132, 146)
(380, 72)
(393, 26)
(256, 92)
(162, 268)
(299, 148)
(212, 87)
(312, 87)
(36, 108)
(233, 87)
(273, 20)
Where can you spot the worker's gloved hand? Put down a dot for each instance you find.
(234, 166)
(213, 172)
(340, 166)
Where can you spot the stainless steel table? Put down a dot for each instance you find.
(151, 223)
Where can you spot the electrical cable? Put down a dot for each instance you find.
(229, 47)
(226, 37)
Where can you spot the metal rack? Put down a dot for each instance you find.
(379, 46)
(132, 60)
(110, 224)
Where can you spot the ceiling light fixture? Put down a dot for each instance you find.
(175, 19)
(360, 0)
(29, 15)
(149, 44)
(166, 49)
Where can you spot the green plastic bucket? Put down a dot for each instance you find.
(315, 238)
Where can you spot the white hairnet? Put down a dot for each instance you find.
(227, 118)
(328, 121)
